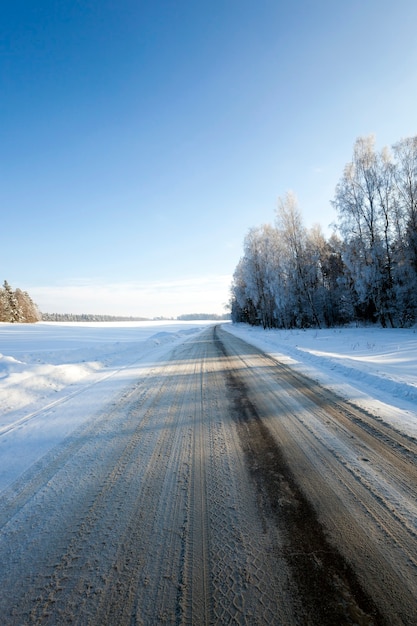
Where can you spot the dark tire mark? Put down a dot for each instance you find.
(328, 585)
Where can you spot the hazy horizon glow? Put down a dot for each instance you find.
(147, 299)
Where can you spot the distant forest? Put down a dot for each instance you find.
(203, 316)
(293, 277)
(17, 306)
(87, 317)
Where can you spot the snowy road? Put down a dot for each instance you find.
(184, 502)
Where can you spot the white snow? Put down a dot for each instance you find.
(54, 376)
(375, 368)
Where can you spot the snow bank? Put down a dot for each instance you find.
(376, 367)
(39, 360)
(54, 377)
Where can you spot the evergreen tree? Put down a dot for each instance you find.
(12, 310)
(17, 306)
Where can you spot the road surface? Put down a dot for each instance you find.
(221, 488)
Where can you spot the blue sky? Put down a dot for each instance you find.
(140, 140)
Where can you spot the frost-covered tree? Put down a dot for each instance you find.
(301, 267)
(287, 275)
(17, 306)
(376, 202)
(339, 307)
(405, 251)
(29, 312)
(355, 202)
(3, 306)
(250, 284)
(291, 276)
(242, 307)
(265, 280)
(12, 311)
(366, 206)
(405, 175)
(255, 279)
(328, 289)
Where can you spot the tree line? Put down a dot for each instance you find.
(203, 316)
(366, 271)
(89, 317)
(17, 306)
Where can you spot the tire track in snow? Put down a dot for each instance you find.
(36, 477)
(360, 482)
(133, 414)
(196, 566)
(150, 514)
(146, 515)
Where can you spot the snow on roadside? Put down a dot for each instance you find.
(39, 360)
(374, 367)
(55, 376)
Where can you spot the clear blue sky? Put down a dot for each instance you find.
(140, 140)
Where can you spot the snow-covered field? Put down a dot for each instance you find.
(54, 376)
